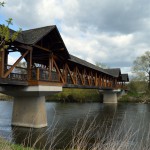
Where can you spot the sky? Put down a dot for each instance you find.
(113, 32)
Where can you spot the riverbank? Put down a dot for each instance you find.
(88, 95)
(135, 97)
(5, 145)
(4, 97)
(76, 95)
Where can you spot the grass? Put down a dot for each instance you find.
(76, 95)
(5, 97)
(135, 97)
(4, 145)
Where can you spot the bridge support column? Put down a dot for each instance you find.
(29, 104)
(109, 96)
(29, 112)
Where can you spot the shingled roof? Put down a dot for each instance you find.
(125, 77)
(32, 36)
(116, 72)
(89, 65)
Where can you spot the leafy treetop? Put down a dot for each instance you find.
(5, 37)
(141, 66)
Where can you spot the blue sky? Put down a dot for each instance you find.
(113, 32)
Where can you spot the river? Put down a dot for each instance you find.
(118, 120)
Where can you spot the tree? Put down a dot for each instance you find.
(2, 4)
(5, 37)
(141, 67)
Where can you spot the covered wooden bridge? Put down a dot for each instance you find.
(48, 67)
(47, 62)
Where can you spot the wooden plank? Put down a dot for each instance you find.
(46, 83)
(15, 64)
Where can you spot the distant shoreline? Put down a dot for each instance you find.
(83, 96)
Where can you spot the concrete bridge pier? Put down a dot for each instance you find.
(29, 104)
(109, 96)
(29, 112)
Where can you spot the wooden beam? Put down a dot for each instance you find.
(87, 77)
(76, 79)
(29, 64)
(2, 57)
(23, 46)
(38, 74)
(80, 76)
(65, 73)
(58, 71)
(15, 64)
(42, 48)
(70, 74)
(83, 75)
(96, 83)
(50, 68)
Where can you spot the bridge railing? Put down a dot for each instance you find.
(18, 73)
(42, 74)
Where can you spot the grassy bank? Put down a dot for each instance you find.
(90, 95)
(138, 92)
(76, 95)
(69, 95)
(135, 97)
(5, 97)
(5, 145)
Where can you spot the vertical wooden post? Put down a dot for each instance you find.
(29, 65)
(2, 56)
(50, 69)
(83, 74)
(66, 73)
(38, 74)
(96, 83)
(76, 79)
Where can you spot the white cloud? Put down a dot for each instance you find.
(111, 31)
(11, 60)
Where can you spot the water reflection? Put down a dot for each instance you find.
(62, 118)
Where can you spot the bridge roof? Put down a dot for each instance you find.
(89, 65)
(33, 36)
(116, 72)
(125, 77)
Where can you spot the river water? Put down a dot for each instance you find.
(102, 120)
